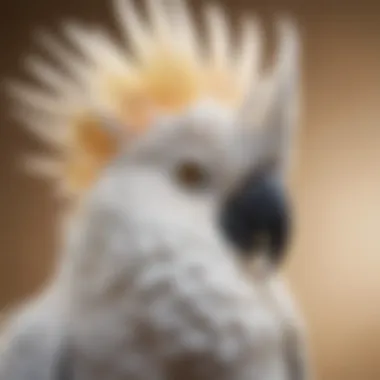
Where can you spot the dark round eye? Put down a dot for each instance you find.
(192, 175)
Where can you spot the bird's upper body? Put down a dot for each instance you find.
(154, 280)
(150, 286)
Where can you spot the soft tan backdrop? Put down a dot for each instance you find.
(335, 263)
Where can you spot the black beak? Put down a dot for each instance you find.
(257, 210)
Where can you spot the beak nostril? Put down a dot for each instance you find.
(256, 217)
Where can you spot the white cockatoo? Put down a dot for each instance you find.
(174, 154)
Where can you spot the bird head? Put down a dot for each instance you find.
(178, 136)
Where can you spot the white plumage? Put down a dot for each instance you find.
(147, 286)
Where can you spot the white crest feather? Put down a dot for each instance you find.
(97, 47)
(288, 55)
(273, 105)
(39, 100)
(249, 56)
(76, 66)
(43, 127)
(50, 76)
(183, 27)
(85, 40)
(134, 31)
(157, 14)
(218, 34)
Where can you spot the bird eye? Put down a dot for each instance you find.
(192, 175)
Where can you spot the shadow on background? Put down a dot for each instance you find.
(335, 263)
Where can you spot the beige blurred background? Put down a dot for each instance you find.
(335, 264)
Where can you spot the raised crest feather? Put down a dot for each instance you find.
(165, 74)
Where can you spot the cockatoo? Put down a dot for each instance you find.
(174, 155)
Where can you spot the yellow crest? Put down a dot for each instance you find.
(165, 70)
